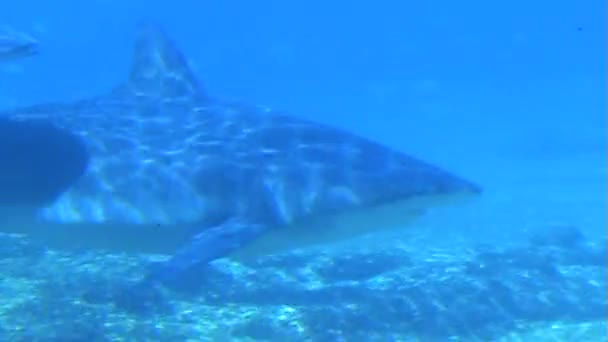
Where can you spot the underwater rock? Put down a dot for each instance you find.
(564, 236)
(432, 297)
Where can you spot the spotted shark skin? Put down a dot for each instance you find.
(176, 171)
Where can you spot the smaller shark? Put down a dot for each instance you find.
(16, 45)
(175, 171)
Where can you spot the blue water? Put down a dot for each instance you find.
(512, 95)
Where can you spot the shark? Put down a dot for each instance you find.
(15, 45)
(172, 170)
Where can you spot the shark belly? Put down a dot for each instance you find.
(322, 230)
(114, 237)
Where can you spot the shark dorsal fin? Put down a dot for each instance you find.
(159, 69)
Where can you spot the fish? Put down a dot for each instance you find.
(175, 171)
(16, 45)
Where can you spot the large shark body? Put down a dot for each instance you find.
(177, 172)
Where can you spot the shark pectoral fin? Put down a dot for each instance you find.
(211, 244)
